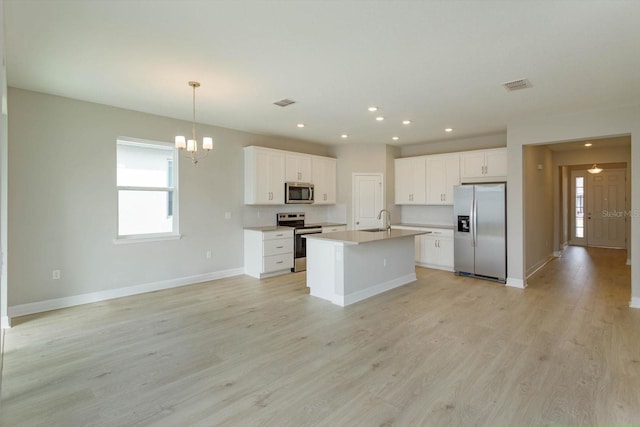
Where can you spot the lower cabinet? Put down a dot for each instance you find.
(268, 253)
(434, 250)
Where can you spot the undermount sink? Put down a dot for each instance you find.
(374, 230)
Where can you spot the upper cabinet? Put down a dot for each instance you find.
(410, 185)
(266, 170)
(263, 176)
(297, 167)
(483, 165)
(443, 173)
(323, 177)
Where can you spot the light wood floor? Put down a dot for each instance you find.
(444, 350)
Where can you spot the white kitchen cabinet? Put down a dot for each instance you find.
(268, 253)
(263, 176)
(297, 167)
(323, 177)
(443, 173)
(410, 181)
(333, 228)
(433, 250)
(436, 251)
(483, 165)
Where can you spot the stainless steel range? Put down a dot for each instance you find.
(296, 220)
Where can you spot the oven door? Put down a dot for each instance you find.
(300, 248)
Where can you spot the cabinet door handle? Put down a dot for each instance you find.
(279, 262)
(279, 247)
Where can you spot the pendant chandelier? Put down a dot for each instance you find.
(191, 145)
(594, 169)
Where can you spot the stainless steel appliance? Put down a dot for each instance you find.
(298, 192)
(480, 244)
(296, 220)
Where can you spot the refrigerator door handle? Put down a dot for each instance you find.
(472, 223)
(475, 222)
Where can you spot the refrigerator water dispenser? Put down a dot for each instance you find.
(463, 224)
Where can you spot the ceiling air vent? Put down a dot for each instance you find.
(284, 102)
(517, 85)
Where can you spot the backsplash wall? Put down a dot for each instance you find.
(262, 216)
(432, 215)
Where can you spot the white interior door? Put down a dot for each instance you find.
(367, 200)
(606, 209)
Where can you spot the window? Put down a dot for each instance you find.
(579, 207)
(147, 189)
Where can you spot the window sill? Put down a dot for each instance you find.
(136, 239)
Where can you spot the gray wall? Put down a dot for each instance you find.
(62, 199)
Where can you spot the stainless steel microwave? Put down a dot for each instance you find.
(298, 192)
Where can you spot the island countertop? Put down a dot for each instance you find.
(356, 237)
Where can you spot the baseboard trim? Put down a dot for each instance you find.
(516, 283)
(57, 303)
(635, 302)
(5, 322)
(533, 270)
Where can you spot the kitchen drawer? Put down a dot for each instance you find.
(277, 262)
(277, 246)
(279, 234)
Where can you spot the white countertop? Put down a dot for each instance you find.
(356, 237)
(444, 226)
(268, 228)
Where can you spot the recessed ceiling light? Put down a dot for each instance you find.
(448, 130)
(588, 144)
(379, 118)
(300, 125)
(344, 135)
(406, 122)
(372, 109)
(395, 138)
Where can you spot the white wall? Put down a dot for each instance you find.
(453, 144)
(364, 158)
(570, 127)
(62, 200)
(538, 205)
(4, 319)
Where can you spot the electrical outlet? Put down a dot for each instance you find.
(55, 274)
(384, 262)
(208, 254)
(227, 215)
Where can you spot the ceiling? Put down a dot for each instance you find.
(596, 143)
(439, 64)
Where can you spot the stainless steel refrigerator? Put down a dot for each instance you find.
(480, 231)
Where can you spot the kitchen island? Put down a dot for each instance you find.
(348, 266)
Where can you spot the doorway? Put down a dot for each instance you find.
(368, 200)
(598, 208)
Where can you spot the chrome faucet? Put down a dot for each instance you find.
(387, 217)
